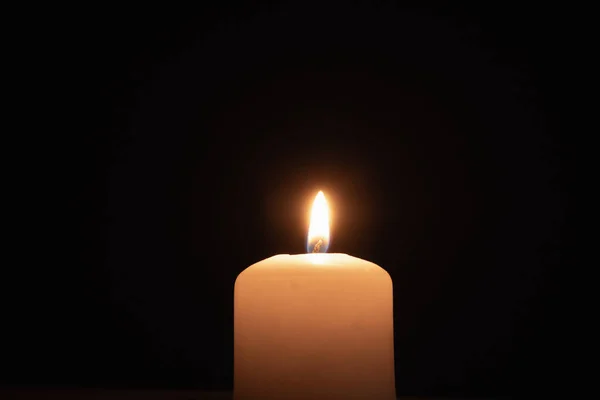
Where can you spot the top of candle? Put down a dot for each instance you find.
(318, 230)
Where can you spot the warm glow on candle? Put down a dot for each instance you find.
(318, 230)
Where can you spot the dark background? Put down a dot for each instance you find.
(180, 149)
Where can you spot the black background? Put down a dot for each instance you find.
(181, 149)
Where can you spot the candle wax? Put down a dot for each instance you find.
(313, 326)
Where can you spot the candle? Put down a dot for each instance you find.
(314, 326)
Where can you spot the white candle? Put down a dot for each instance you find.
(314, 326)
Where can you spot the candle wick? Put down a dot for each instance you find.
(318, 246)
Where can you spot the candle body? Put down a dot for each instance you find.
(313, 326)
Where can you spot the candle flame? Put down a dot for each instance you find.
(318, 230)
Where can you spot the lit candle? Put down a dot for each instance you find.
(314, 326)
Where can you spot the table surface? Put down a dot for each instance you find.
(92, 394)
